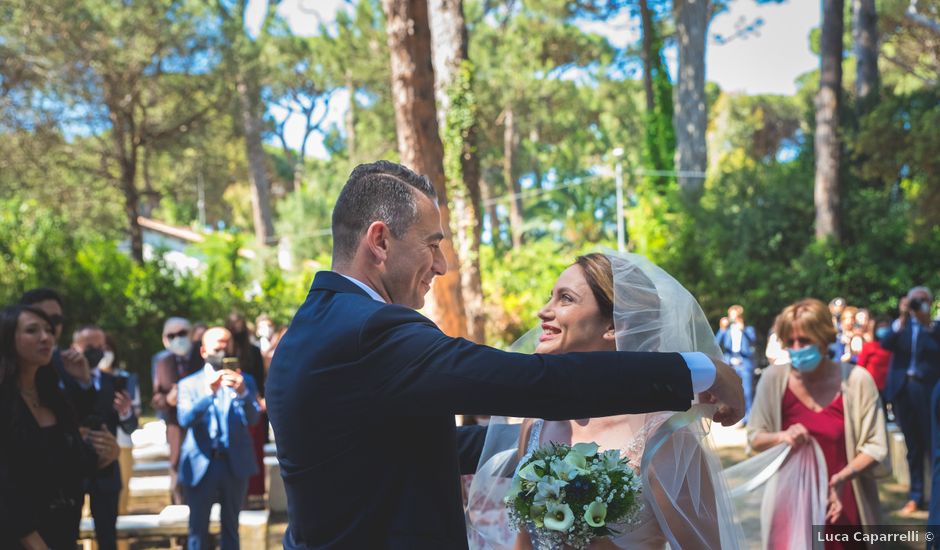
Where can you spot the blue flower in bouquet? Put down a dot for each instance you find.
(579, 488)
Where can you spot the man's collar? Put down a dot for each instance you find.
(368, 290)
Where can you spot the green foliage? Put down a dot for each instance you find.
(100, 284)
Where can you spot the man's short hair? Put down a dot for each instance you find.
(918, 289)
(176, 321)
(379, 191)
(41, 294)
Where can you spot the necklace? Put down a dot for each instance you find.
(31, 396)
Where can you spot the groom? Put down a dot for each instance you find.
(363, 390)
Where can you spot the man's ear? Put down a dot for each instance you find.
(376, 241)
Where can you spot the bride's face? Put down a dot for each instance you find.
(572, 320)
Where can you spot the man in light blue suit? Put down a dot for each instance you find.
(216, 406)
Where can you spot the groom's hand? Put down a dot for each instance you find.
(728, 393)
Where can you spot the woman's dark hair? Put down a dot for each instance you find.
(47, 380)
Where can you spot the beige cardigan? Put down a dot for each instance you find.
(865, 430)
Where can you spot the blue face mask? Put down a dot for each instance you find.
(805, 359)
(882, 333)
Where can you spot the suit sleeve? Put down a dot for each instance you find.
(191, 407)
(130, 423)
(890, 342)
(248, 404)
(415, 369)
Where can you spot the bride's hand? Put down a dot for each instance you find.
(727, 392)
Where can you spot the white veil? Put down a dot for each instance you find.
(682, 475)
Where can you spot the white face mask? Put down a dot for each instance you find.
(180, 345)
(106, 360)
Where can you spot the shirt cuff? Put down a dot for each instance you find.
(702, 370)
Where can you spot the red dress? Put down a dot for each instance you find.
(876, 360)
(828, 429)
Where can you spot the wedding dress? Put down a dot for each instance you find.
(687, 503)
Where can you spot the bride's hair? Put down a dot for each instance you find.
(600, 277)
(638, 307)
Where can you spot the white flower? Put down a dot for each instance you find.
(576, 459)
(549, 490)
(565, 470)
(558, 517)
(596, 514)
(585, 449)
(611, 459)
(529, 474)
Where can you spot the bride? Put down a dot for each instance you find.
(602, 303)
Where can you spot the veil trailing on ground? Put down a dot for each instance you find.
(686, 492)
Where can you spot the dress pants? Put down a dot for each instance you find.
(217, 485)
(104, 510)
(744, 369)
(912, 409)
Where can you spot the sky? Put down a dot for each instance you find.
(766, 60)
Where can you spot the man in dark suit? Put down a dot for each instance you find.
(96, 403)
(915, 368)
(737, 342)
(216, 408)
(363, 390)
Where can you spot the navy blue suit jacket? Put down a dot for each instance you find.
(362, 397)
(928, 357)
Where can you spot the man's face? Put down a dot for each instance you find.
(214, 341)
(91, 338)
(174, 330)
(54, 311)
(414, 260)
(924, 298)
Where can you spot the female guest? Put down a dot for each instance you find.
(874, 358)
(43, 445)
(836, 405)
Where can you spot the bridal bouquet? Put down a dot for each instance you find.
(571, 494)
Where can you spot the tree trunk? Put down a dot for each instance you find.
(125, 155)
(516, 212)
(827, 195)
(865, 35)
(691, 117)
(646, 18)
(248, 96)
(449, 46)
(419, 143)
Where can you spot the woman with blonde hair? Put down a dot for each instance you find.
(835, 408)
